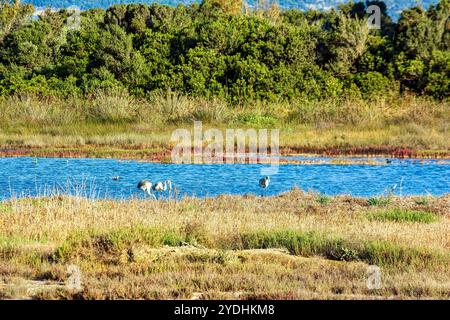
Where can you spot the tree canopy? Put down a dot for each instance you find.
(217, 48)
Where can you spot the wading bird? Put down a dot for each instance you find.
(159, 187)
(264, 183)
(146, 186)
(162, 186)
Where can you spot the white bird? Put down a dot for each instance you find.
(146, 186)
(264, 183)
(159, 186)
(391, 190)
(162, 186)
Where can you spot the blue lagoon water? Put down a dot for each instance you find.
(21, 177)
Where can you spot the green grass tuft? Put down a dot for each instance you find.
(5, 208)
(387, 254)
(115, 240)
(308, 244)
(379, 201)
(403, 215)
(323, 199)
(422, 202)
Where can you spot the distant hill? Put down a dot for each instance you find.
(394, 6)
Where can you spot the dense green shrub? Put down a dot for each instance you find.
(215, 50)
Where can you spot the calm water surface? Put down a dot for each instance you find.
(92, 178)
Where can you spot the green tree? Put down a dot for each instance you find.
(13, 14)
(420, 34)
(345, 42)
(227, 6)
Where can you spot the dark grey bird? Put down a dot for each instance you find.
(264, 183)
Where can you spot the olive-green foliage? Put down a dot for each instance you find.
(423, 42)
(217, 49)
(228, 6)
(12, 15)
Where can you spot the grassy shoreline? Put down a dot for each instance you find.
(145, 142)
(120, 126)
(227, 247)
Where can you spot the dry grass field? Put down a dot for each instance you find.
(118, 125)
(294, 246)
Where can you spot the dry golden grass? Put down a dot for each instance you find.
(291, 246)
(121, 121)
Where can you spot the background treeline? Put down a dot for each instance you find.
(216, 49)
(394, 6)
